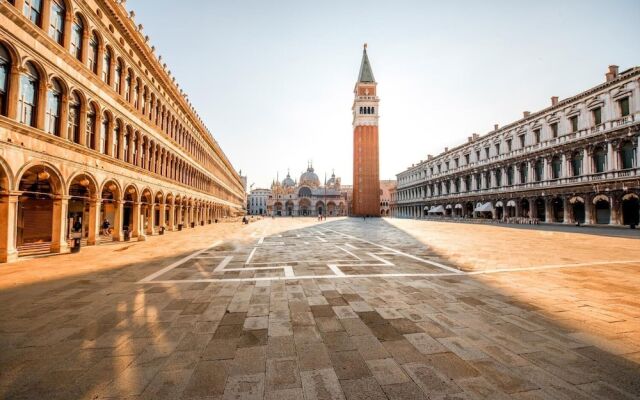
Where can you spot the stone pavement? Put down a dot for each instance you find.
(345, 309)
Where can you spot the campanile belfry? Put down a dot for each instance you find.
(366, 175)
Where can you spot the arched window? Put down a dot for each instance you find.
(28, 101)
(5, 69)
(304, 192)
(54, 104)
(127, 86)
(104, 129)
(77, 32)
(539, 170)
(125, 147)
(599, 159)
(627, 155)
(373, 110)
(75, 108)
(510, 175)
(93, 53)
(33, 10)
(56, 21)
(106, 66)
(116, 139)
(576, 163)
(523, 173)
(360, 110)
(90, 137)
(498, 173)
(117, 79)
(467, 183)
(556, 167)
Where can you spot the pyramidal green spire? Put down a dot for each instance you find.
(366, 74)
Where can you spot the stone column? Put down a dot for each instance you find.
(564, 170)
(172, 216)
(14, 92)
(94, 221)
(568, 211)
(533, 212)
(179, 215)
(137, 222)
(192, 211)
(163, 216)
(8, 223)
(586, 162)
(548, 210)
(118, 217)
(615, 212)
(59, 224)
(610, 157)
(150, 219)
(588, 210)
(130, 145)
(85, 45)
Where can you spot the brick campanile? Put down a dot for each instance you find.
(366, 165)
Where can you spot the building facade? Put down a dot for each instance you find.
(307, 197)
(93, 128)
(575, 161)
(366, 174)
(386, 188)
(257, 201)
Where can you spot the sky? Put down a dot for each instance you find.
(273, 80)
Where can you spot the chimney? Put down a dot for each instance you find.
(429, 157)
(475, 136)
(612, 74)
(446, 149)
(554, 101)
(495, 127)
(526, 114)
(470, 139)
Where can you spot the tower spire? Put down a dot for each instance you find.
(366, 74)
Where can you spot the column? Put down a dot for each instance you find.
(172, 216)
(548, 210)
(533, 213)
(586, 162)
(610, 157)
(130, 145)
(588, 210)
(94, 221)
(568, 211)
(564, 170)
(8, 218)
(59, 225)
(192, 211)
(136, 222)
(150, 219)
(163, 216)
(118, 221)
(638, 151)
(615, 211)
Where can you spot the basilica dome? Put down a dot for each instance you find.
(288, 182)
(309, 178)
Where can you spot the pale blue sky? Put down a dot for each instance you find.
(273, 80)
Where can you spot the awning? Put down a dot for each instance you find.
(511, 203)
(436, 210)
(458, 205)
(499, 204)
(426, 208)
(448, 206)
(486, 207)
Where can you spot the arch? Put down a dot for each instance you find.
(630, 196)
(77, 177)
(159, 197)
(6, 176)
(113, 186)
(77, 41)
(630, 209)
(131, 193)
(600, 197)
(58, 187)
(576, 199)
(146, 196)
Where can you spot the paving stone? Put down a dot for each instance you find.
(355, 327)
(424, 343)
(313, 356)
(220, 349)
(344, 312)
(282, 373)
(429, 380)
(404, 391)
(349, 365)
(369, 347)
(338, 341)
(245, 387)
(328, 324)
(208, 378)
(254, 323)
(387, 371)
(321, 384)
(362, 389)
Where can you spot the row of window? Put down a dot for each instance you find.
(367, 110)
(626, 154)
(508, 145)
(86, 125)
(101, 61)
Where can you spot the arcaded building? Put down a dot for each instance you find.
(93, 128)
(574, 161)
(366, 164)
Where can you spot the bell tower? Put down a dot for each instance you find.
(366, 165)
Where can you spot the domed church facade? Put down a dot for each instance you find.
(307, 196)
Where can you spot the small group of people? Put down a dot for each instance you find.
(322, 217)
